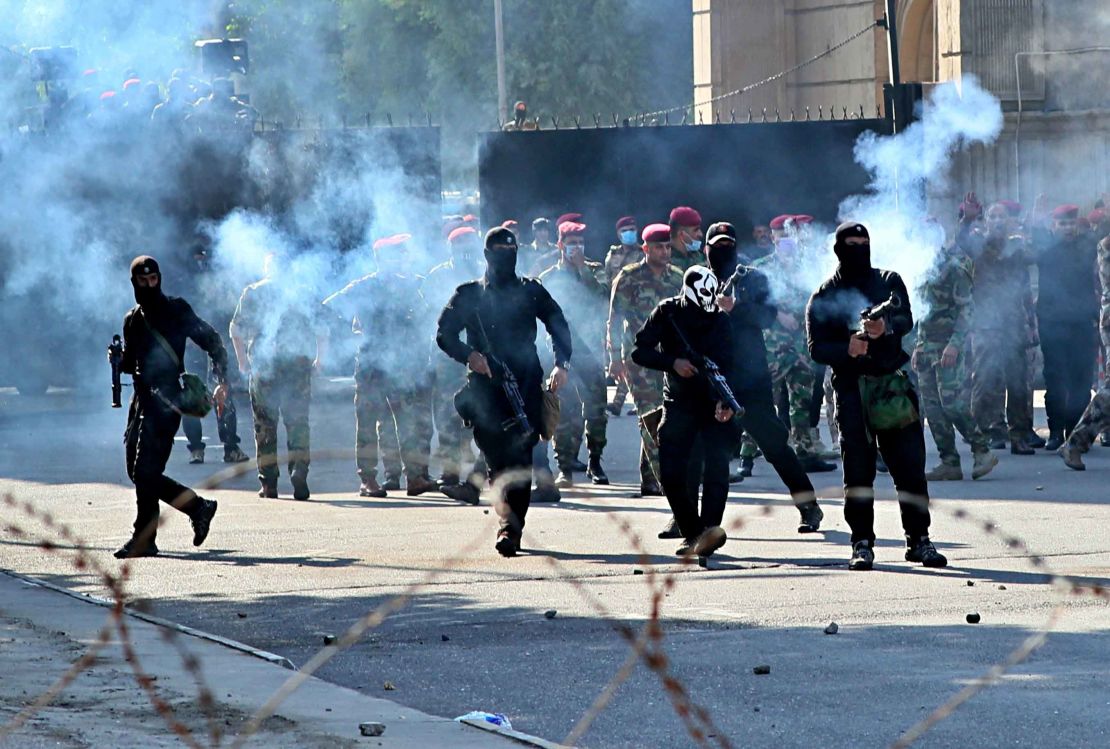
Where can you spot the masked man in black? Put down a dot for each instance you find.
(154, 334)
(680, 331)
(499, 313)
(875, 401)
(747, 300)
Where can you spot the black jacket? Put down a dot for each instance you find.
(508, 315)
(1068, 287)
(709, 334)
(832, 317)
(146, 359)
(753, 313)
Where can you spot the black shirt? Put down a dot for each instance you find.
(1068, 288)
(832, 318)
(709, 334)
(146, 358)
(753, 312)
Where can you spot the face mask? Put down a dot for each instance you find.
(500, 265)
(786, 245)
(628, 237)
(148, 297)
(722, 259)
(693, 245)
(855, 260)
(699, 288)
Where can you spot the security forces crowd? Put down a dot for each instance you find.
(723, 350)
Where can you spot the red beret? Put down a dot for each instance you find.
(89, 71)
(802, 218)
(656, 233)
(510, 224)
(1068, 210)
(576, 217)
(470, 218)
(396, 239)
(684, 215)
(460, 232)
(779, 222)
(1097, 217)
(107, 95)
(131, 82)
(1012, 207)
(624, 221)
(571, 229)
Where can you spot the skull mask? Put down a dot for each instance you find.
(699, 287)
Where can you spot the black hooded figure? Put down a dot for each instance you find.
(498, 313)
(875, 401)
(154, 335)
(678, 334)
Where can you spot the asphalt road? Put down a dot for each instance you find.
(279, 575)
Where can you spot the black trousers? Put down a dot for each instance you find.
(684, 430)
(1069, 365)
(903, 451)
(227, 427)
(509, 452)
(818, 399)
(148, 440)
(763, 424)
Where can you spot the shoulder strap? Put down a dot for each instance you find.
(162, 340)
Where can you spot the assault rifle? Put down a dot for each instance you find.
(717, 381)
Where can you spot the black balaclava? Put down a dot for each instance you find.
(500, 264)
(855, 260)
(147, 297)
(723, 258)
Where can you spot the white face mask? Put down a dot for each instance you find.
(699, 286)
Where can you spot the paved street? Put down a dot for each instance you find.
(280, 575)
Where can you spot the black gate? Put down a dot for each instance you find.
(743, 173)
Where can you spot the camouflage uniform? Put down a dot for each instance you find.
(582, 295)
(1096, 417)
(636, 292)
(787, 355)
(538, 258)
(683, 260)
(448, 377)
(281, 346)
(1001, 321)
(618, 257)
(945, 395)
(391, 380)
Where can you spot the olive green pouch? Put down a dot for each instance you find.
(887, 401)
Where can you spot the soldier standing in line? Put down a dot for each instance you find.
(542, 253)
(279, 341)
(449, 376)
(154, 335)
(1096, 417)
(637, 289)
(788, 358)
(498, 314)
(941, 364)
(623, 253)
(386, 307)
(1067, 317)
(686, 237)
(1002, 327)
(575, 285)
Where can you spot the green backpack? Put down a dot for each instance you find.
(886, 400)
(192, 397)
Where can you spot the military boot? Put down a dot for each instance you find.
(202, 520)
(565, 478)
(813, 463)
(984, 464)
(812, 515)
(945, 472)
(747, 465)
(577, 466)
(1019, 446)
(371, 488)
(596, 472)
(418, 484)
(1072, 456)
(268, 489)
(235, 455)
(863, 556)
(133, 548)
(299, 480)
(1055, 439)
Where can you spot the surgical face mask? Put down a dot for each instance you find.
(628, 236)
(694, 245)
(574, 250)
(786, 245)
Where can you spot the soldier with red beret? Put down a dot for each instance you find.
(1067, 317)
(686, 237)
(625, 252)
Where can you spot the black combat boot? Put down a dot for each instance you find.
(746, 467)
(299, 480)
(863, 556)
(596, 472)
(922, 550)
(133, 548)
(202, 520)
(812, 515)
(671, 529)
(1055, 439)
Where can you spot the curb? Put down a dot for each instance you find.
(521, 738)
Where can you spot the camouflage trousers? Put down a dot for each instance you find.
(455, 454)
(946, 400)
(582, 411)
(1001, 397)
(620, 395)
(646, 387)
(285, 392)
(380, 403)
(796, 372)
(1094, 421)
